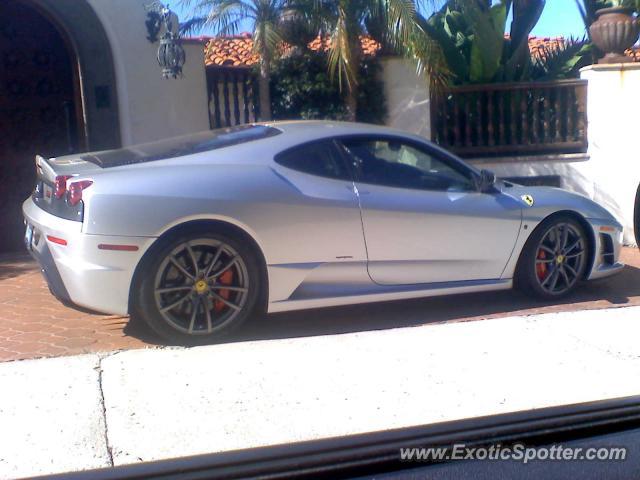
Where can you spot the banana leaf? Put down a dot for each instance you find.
(457, 63)
(488, 40)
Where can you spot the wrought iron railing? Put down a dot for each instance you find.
(233, 96)
(511, 118)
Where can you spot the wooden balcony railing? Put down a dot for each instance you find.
(233, 96)
(511, 118)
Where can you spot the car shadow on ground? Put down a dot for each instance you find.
(14, 265)
(620, 290)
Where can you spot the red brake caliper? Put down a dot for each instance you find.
(225, 279)
(541, 268)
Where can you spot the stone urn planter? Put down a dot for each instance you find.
(614, 31)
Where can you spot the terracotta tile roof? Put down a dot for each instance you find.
(232, 51)
(237, 50)
(537, 45)
(369, 45)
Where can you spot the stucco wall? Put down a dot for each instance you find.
(150, 106)
(407, 96)
(613, 109)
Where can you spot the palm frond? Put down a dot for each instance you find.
(340, 61)
(192, 26)
(563, 60)
(429, 60)
(226, 16)
(401, 20)
(266, 38)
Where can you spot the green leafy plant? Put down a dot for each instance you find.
(450, 31)
(470, 35)
(563, 60)
(301, 87)
(487, 26)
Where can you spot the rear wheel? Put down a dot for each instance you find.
(198, 288)
(554, 259)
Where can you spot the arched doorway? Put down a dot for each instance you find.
(40, 106)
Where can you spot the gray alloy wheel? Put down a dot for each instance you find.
(560, 258)
(201, 286)
(197, 286)
(554, 259)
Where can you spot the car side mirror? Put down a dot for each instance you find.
(486, 181)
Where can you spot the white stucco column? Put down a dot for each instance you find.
(151, 107)
(407, 96)
(613, 111)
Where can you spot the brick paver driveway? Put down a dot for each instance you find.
(34, 324)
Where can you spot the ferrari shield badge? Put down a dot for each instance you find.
(528, 199)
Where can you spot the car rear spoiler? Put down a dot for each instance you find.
(44, 169)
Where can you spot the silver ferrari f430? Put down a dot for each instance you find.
(196, 233)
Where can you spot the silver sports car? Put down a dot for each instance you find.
(196, 233)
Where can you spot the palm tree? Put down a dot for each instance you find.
(224, 17)
(394, 23)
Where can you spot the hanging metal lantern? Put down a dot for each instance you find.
(164, 23)
(171, 56)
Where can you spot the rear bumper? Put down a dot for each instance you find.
(79, 272)
(51, 274)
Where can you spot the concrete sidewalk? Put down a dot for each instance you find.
(98, 410)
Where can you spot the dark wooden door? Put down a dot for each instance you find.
(39, 107)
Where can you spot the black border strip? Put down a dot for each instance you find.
(379, 451)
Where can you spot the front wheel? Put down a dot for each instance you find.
(554, 259)
(198, 288)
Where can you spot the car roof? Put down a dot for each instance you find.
(290, 133)
(328, 127)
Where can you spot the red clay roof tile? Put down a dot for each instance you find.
(237, 50)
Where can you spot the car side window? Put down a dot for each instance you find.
(318, 158)
(395, 163)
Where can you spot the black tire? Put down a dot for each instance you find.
(636, 217)
(205, 314)
(548, 270)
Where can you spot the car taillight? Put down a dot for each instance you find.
(60, 185)
(75, 191)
